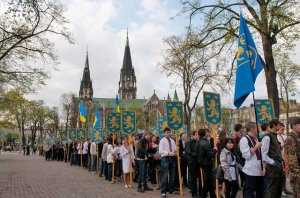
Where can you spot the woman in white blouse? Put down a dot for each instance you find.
(229, 167)
(127, 159)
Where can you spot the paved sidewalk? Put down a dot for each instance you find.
(33, 177)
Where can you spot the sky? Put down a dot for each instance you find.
(100, 26)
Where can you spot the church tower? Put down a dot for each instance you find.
(127, 83)
(86, 86)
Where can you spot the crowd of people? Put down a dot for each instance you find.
(258, 161)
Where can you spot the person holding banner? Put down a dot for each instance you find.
(206, 154)
(110, 159)
(93, 154)
(192, 153)
(167, 151)
(253, 172)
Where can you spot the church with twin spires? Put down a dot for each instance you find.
(127, 91)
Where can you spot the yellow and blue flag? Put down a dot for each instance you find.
(118, 110)
(97, 120)
(249, 65)
(82, 112)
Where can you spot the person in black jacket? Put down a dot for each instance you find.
(141, 158)
(191, 153)
(205, 157)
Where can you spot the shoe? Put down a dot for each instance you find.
(139, 189)
(129, 186)
(163, 195)
(283, 194)
(147, 188)
(126, 186)
(288, 192)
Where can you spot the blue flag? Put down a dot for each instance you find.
(249, 65)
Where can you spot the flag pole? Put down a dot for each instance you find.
(255, 113)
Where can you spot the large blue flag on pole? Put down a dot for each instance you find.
(249, 65)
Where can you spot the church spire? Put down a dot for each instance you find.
(127, 63)
(127, 83)
(86, 87)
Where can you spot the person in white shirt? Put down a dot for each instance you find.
(167, 151)
(253, 168)
(79, 156)
(104, 161)
(85, 153)
(110, 159)
(127, 156)
(93, 153)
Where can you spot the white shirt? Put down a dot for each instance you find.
(164, 149)
(282, 138)
(265, 149)
(104, 152)
(85, 148)
(93, 149)
(79, 148)
(252, 165)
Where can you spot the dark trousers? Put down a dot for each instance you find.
(109, 171)
(208, 183)
(254, 185)
(274, 187)
(167, 174)
(193, 170)
(142, 178)
(231, 188)
(183, 168)
(103, 169)
(85, 160)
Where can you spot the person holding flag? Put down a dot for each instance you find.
(249, 65)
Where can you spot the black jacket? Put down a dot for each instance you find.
(142, 149)
(205, 154)
(191, 150)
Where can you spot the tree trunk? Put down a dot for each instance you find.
(270, 73)
(287, 108)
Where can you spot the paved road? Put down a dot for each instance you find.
(33, 177)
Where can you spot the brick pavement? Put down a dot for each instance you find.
(33, 177)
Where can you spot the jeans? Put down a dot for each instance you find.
(93, 162)
(254, 184)
(142, 178)
(109, 171)
(167, 174)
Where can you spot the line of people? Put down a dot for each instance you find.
(251, 160)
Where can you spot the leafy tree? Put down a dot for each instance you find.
(16, 105)
(275, 21)
(25, 31)
(288, 74)
(67, 101)
(193, 67)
